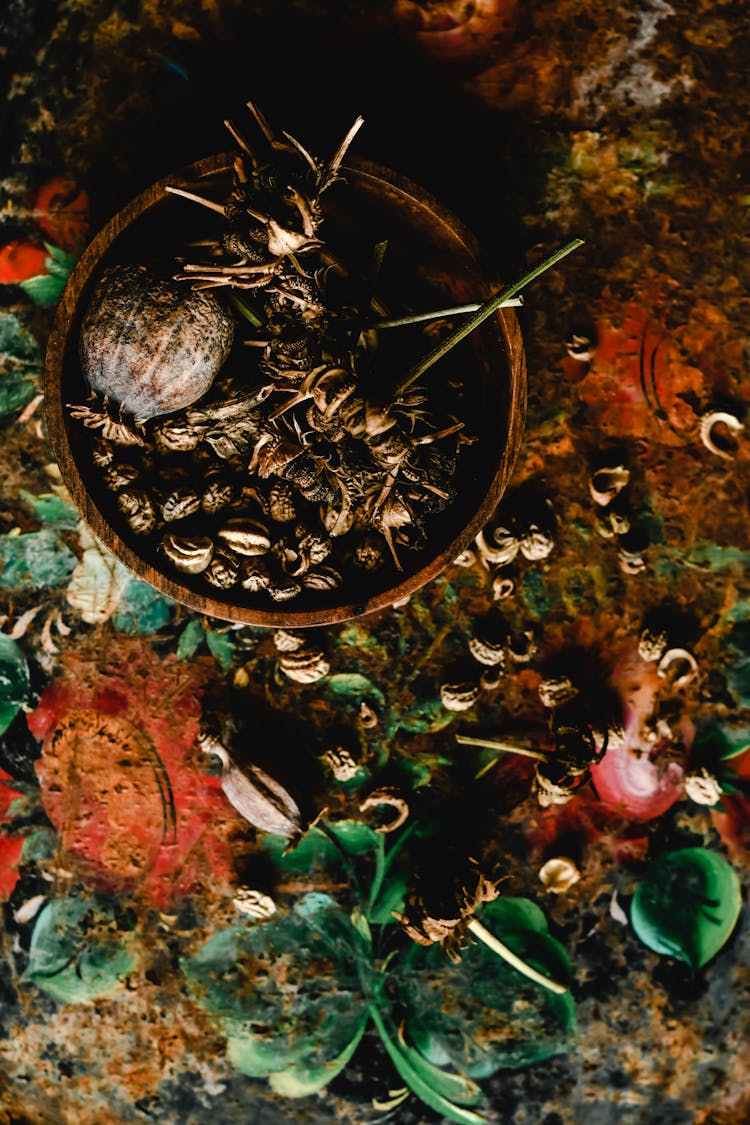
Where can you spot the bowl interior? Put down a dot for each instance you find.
(430, 261)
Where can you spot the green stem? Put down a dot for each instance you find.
(508, 955)
(505, 747)
(383, 862)
(244, 310)
(490, 306)
(437, 314)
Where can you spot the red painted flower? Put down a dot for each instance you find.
(121, 780)
(11, 847)
(61, 209)
(20, 261)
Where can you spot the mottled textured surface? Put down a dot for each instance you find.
(624, 124)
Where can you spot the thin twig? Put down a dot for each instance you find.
(490, 306)
(505, 747)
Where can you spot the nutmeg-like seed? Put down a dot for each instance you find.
(459, 697)
(190, 555)
(245, 536)
(222, 572)
(180, 504)
(138, 510)
(305, 666)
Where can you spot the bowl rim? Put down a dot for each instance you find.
(281, 615)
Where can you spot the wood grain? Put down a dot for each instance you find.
(500, 366)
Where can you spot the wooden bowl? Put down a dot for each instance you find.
(432, 260)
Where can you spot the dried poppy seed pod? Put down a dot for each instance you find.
(459, 697)
(138, 511)
(117, 477)
(151, 345)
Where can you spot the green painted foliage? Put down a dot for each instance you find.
(288, 991)
(52, 510)
(316, 851)
(77, 950)
(14, 681)
(141, 609)
(687, 905)
(46, 288)
(481, 1015)
(34, 561)
(20, 364)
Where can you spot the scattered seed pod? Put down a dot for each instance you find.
(280, 590)
(369, 555)
(256, 796)
(281, 507)
(703, 788)
(217, 496)
(549, 792)
(607, 483)
(502, 549)
(102, 453)
(611, 523)
(536, 543)
(521, 647)
(719, 418)
(304, 665)
(138, 511)
(491, 678)
(389, 798)
(503, 586)
(174, 436)
(287, 641)
(460, 696)
(190, 555)
(556, 690)
(559, 874)
(254, 903)
(652, 644)
(341, 763)
(579, 345)
(678, 666)
(368, 718)
(465, 559)
(487, 651)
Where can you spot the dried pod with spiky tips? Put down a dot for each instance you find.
(442, 903)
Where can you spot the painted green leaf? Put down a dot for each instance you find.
(221, 648)
(34, 561)
(190, 638)
(426, 717)
(77, 951)
(316, 851)
(687, 905)
(356, 688)
(141, 609)
(286, 991)
(14, 681)
(391, 897)
(20, 364)
(301, 1080)
(480, 1014)
(52, 510)
(46, 288)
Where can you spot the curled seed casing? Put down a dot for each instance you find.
(557, 690)
(536, 544)
(459, 697)
(217, 496)
(138, 510)
(245, 536)
(119, 476)
(324, 578)
(222, 572)
(190, 555)
(287, 641)
(487, 652)
(304, 666)
(255, 575)
(283, 591)
(180, 504)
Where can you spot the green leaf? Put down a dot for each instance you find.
(77, 951)
(14, 681)
(300, 1081)
(34, 561)
(46, 288)
(221, 648)
(20, 364)
(356, 688)
(481, 1014)
(316, 851)
(287, 991)
(141, 609)
(190, 639)
(426, 717)
(52, 510)
(392, 897)
(687, 905)
(457, 1087)
(424, 1090)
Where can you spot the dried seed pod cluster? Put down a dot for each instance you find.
(295, 466)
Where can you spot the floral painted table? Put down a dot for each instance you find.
(161, 959)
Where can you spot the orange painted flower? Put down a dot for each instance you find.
(20, 261)
(121, 779)
(11, 847)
